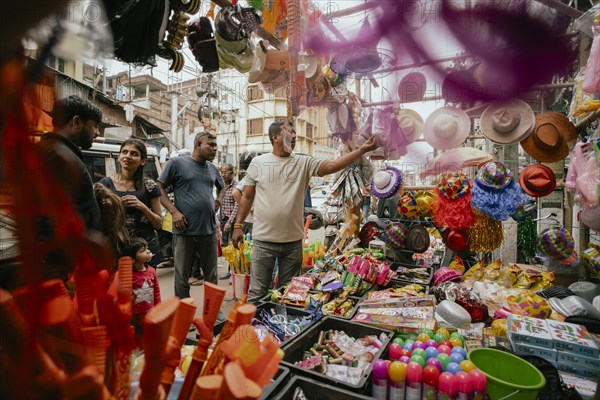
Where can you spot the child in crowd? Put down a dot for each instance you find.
(146, 291)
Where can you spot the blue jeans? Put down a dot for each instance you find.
(289, 256)
(190, 248)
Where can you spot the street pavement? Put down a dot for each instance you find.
(167, 290)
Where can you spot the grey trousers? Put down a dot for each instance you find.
(289, 256)
(190, 248)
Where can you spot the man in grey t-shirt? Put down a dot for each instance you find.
(194, 221)
(276, 185)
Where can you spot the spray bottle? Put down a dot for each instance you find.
(465, 386)
(447, 386)
(380, 382)
(397, 376)
(414, 379)
(431, 375)
(479, 384)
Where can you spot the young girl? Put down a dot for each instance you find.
(146, 292)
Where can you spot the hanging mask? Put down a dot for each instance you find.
(236, 23)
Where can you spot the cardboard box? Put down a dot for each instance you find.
(526, 330)
(573, 338)
(577, 370)
(579, 360)
(544, 352)
(406, 324)
(585, 386)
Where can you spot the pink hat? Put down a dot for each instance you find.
(445, 274)
(447, 128)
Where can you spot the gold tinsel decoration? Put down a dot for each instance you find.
(486, 234)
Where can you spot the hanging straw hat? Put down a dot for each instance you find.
(412, 87)
(446, 128)
(410, 123)
(549, 141)
(537, 180)
(507, 123)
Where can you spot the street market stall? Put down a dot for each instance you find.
(481, 281)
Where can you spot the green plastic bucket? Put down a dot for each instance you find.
(508, 376)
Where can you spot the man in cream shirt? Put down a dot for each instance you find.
(276, 184)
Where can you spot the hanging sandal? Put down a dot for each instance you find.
(195, 281)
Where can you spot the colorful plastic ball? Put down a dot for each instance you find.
(429, 332)
(398, 340)
(395, 351)
(407, 345)
(404, 359)
(456, 342)
(457, 358)
(418, 345)
(446, 342)
(418, 359)
(443, 331)
(419, 352)
(453, 368)
(461, 351)
(406, 353)
(438, 337)
(435, 362)
(457, 335)
(423, 337)
(444, 359)
(431, 352)
(442, 348)
(431, 343)
(467, 365)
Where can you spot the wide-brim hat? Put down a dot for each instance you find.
(407, 206)
(453, 185)
(412, 87)
(269, 63)
(447, 128)
(493, 176)
(386, 183)
(591, 217)
(507, 123)
(457, 158)
(410, 123)
(556, 242)
(550, 138)
(445, 274)
(537, 180)
(424, 199)
(234, 54)
(585, 290)
(418, 239)
(453, 314)
(574, 305)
